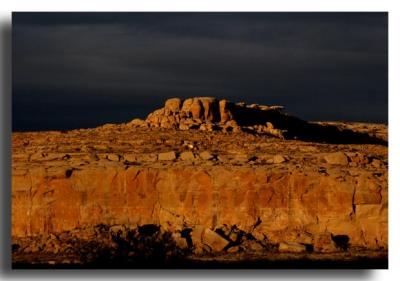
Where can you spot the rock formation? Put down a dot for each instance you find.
(211, 114)
(207, 191)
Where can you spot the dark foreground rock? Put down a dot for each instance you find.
(149, 246)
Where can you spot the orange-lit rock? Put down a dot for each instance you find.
(221, 187)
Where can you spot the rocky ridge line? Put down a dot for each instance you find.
(211, 114)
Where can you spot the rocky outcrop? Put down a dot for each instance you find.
(123, 190)
(211, 114)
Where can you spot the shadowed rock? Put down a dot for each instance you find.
(211, 114)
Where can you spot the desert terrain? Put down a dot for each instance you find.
(201, 183)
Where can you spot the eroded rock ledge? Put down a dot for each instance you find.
(210, 114)
(90, 193)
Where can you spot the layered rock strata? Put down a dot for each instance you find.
(206, 192)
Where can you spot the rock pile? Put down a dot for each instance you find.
(151, 245)
(211, 114)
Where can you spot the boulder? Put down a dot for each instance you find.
(173, 105)
(214, 240)
(231, 123)
(253, 246)
(148, 157)
(291, 247)
(269, 125)
(187, 156)
(130, 157)
(179, 240)
(234, 249)
(274, 132)
(196, 236)
(241, 157)
(183, 127)
(277, 159)
(167, 156)
(203, 127)
(336, 158)
(113, 157)
(206, 155)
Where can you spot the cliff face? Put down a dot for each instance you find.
(284, 206)
(205, 177)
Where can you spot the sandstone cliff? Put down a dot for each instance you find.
(217, 191)
(300, 206)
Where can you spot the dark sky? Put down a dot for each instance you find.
(73, 70)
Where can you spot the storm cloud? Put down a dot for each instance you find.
(74, 70)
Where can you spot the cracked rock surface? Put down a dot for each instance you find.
(121, 189)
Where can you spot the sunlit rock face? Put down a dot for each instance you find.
(211, 114)
(287, 206)
(182, 175)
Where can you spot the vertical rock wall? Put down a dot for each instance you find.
(296, 206)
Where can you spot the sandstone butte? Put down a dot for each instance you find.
(219, 177)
